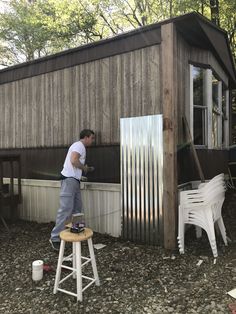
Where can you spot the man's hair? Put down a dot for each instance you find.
(86, 132)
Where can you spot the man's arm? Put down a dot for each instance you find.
(76, 162)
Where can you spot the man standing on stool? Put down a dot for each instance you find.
(70, 196)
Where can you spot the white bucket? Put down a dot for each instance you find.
(37, 270)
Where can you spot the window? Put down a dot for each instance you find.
(216, 113)
(225, 113)
(199, 108)
(208, 108)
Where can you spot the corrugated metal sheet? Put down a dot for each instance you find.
(40, 202)
(142, 178)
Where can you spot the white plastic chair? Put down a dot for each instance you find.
(202, 207)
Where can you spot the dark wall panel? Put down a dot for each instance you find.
(47, 163)
(212, 162)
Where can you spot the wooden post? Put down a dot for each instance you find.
(170, 131)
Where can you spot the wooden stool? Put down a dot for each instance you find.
(76, 269)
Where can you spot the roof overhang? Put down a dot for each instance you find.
(200, 32)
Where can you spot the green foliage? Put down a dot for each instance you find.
(228, 22)
(34, 28)
(115, 16)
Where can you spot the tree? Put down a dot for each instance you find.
(31, 29)
(227, 13)
(34, 28)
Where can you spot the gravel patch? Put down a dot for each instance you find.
(134, 278)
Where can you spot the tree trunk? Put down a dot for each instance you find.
(202, 7)
(171, 8)
(215, 18)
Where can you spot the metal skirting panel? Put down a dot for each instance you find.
(40, 203)
(103, 209)
(101, 201)
(142, 178)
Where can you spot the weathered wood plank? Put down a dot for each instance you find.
(170, 129)
(66, 92)
(153, 79)
(103, 109)
(76, 130)
(137, 81)
(182, 68)
(50, 109)
(18, 113)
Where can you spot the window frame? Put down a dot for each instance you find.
(208, 107)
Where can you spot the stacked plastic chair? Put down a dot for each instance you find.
(202, 208)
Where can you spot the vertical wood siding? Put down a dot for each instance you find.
(181, 68)
(186, 54)
(50, 109)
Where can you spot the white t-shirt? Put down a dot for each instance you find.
(68, 169)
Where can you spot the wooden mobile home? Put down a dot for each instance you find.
(180, 67)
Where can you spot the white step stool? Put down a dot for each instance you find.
(77, 264)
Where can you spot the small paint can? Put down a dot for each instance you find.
(37, 270)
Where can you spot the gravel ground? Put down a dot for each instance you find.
(134, 278)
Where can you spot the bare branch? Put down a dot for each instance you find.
(108, 24)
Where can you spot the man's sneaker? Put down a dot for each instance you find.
(55, 245)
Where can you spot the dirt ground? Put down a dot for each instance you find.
(134, 278)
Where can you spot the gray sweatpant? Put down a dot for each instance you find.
(70, 203)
